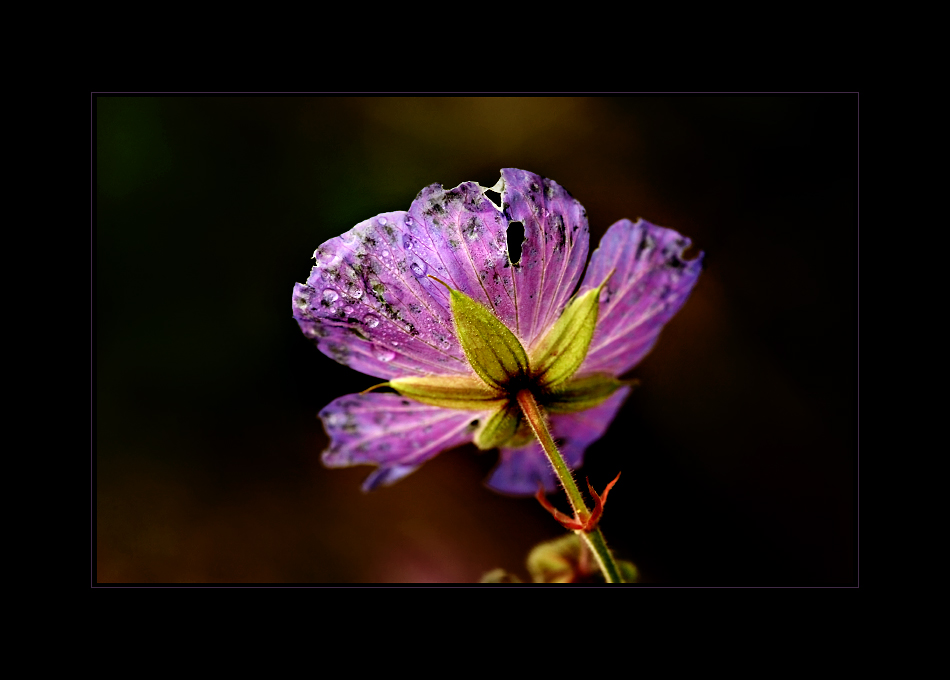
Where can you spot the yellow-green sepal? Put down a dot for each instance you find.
(500, 427)
(493, 351)
(562, 351)
(580, 394)
(456, 392)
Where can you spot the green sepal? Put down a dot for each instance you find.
(500, 426)
(457, 392)
(580, 394)
(562, 351)
(492, 350)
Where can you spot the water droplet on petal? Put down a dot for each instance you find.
(444, 344)
(336, 419)
(330, 295)
(407, 242)
(385, 253)
(354, 291)
(385, 354)
(348, 309)
(382, 220)
(419, 268)
(408, 221)
(371, 321)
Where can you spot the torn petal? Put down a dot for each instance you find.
(650, 283)
(520, 470)
(391, 431)
(554, 250)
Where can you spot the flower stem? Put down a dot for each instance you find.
(594, 539)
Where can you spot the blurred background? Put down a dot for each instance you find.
(738, 450)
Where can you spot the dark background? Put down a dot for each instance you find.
(738, 450)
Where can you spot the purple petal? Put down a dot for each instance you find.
(519, 470)
(462, 236)
(649, 285)
(369, 305)
(390, 431)
(553, 254)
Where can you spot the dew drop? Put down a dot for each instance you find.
(382, 220)
(408, 221)
(444, 344)
(330, 295)
(385, 354)
(348, 309)
(419, 268)
(371, 321)
(407, 242)
(385, 253)
(336, 419)
(354, 291)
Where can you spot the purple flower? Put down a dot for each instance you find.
(371, 303)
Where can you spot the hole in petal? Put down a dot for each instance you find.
(515, 237)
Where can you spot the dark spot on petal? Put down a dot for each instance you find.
(473, 424)
(340, 353)
(560, 233)
(646, 243)
(472, 229)
(405, 402)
